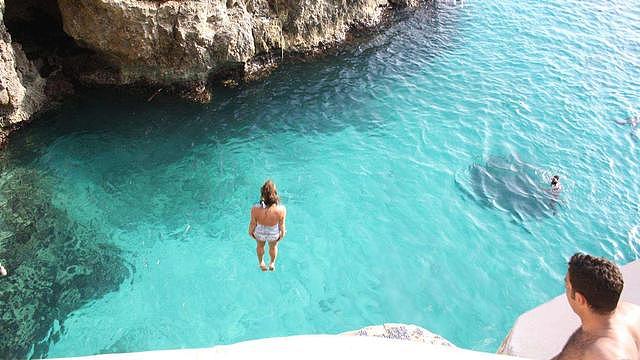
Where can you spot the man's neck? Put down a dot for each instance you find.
(594, 323)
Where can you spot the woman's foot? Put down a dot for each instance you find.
(263, 267)
(272, 267)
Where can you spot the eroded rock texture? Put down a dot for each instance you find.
(175, 44)
(55, 266)
(21, 87)
(187, 40)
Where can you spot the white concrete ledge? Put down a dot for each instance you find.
(313, 347)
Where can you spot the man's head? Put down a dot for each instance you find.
(555, 179)
(593, 284)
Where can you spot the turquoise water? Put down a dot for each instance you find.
(412, 166)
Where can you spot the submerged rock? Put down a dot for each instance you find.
(55, 266)
(510, 185)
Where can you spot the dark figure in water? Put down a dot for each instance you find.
(633, 122)
(555, 185)
(555, 190)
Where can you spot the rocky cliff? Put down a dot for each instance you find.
(188, 40)
(21, 87)
(171, 44)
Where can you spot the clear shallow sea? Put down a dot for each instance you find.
(411, 166)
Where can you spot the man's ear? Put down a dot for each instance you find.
(580, 299)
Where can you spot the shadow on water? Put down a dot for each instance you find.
(57, 265)
(510, 185)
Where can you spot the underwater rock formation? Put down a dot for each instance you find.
(22, 90)
(55, 266)
(510, 185)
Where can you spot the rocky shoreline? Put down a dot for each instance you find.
(179, 47)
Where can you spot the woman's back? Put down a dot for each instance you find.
(268, 216)
(267, 223)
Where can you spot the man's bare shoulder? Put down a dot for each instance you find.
(630, 314)
(576, 346)
(631, 309)
(631, 318)
(583, 346)
(604, 348)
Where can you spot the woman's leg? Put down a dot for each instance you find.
(260, 253)
(273, 254)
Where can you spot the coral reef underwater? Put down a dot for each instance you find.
(55, 265)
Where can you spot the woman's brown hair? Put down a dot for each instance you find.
(269, 194)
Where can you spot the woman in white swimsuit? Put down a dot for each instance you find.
(268, 223)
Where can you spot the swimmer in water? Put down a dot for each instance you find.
(555, 190)
(3, 271)
(633, 121)
(555, 185)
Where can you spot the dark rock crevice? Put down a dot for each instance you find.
(37, 26)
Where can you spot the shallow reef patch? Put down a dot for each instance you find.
(56, 265)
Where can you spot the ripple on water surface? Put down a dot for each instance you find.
(414, 167)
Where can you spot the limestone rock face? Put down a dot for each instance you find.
(21, 87)
(162, 41)
(181, 43)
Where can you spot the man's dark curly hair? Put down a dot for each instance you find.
(597, 279)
